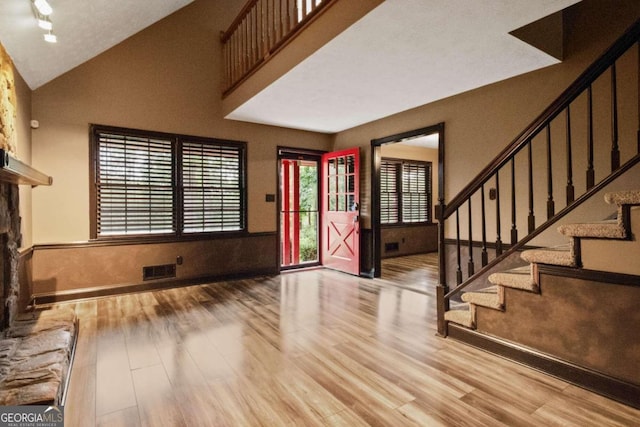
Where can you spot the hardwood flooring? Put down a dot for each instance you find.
(308, 348)
(415, 272)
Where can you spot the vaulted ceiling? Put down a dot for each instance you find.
(403, 54)
(84, 29)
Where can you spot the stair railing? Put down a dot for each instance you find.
(553, 132)
(262, 28)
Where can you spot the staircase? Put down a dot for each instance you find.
(567, 310)
(618, 235)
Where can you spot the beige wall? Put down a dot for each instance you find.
(166, 78)
(23, 152)
(481, 122)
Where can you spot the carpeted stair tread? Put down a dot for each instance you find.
(629, 197)
(611, 229)
(490, 297)
(461, 317)
(559, 255)
(518, 278)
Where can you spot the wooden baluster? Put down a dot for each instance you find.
(470, 265)
(256, 36)
(232, 42)
(514, 227)
(283, 17)
(443, 288)
(225, 54)
(458, 268)
(287, 27)
(498, 236)
(615, 149)
(485, 255)
(591, 176)
(245, 46)
(532, 217)
(270, 25)
(550, 203)
(570, 188)
(638, 96)
(263, 31)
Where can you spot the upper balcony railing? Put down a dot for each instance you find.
(262, 28)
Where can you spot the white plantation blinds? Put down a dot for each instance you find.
(405, 191)
(165, 184)
(212, 187)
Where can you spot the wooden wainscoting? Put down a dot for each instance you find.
(82, 270)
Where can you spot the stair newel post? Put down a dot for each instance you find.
(615, 149)
(532, 217)
(442, 289)
(458, 257)
(498, 236)
(550, 203)
(514, 228)
(591, 176)
(570, 189)
(485, 255)
(470, 265)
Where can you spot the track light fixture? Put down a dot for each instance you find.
(45, 23)
(50, 37)
(43, 7)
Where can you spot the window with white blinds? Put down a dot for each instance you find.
(405, 191)
(163, 184)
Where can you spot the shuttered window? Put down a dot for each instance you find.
(165, 185)
(389, 196)
(405, 191)
(212, 187)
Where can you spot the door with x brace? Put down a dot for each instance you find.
(341, 210)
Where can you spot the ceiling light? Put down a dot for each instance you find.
(50, 37)
(43, 7)
(45, 23)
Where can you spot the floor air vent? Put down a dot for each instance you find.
(391, 247)
(153, 272)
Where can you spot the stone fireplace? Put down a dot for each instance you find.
(13, 297)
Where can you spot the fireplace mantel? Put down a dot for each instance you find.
(14, 171)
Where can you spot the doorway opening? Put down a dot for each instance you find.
(404, 181)
(299, 215)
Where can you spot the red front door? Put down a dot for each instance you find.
(341, 211)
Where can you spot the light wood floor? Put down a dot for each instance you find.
(416, 272)
(311, 348)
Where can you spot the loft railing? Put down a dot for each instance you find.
(262, 28)
(569, 134)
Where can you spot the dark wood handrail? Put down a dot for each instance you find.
(628, 39)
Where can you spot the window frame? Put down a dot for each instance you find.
(177, 185)
(399, 171)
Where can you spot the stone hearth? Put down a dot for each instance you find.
(36, 347)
